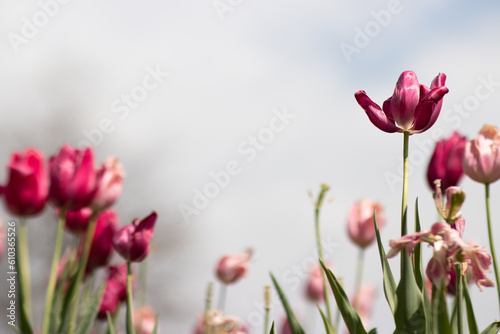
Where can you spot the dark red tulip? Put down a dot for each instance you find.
(115, 291)
(446, 162)
(77, 221)
(102, 244)
(132, 241)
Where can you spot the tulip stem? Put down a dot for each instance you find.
(208, 306)
(267, 307)
(81, 270)
(130, 306)
(321, 196)
(404, 206)
(24, 263)
(490, 236)
(359, 275)
(458, 272)
(53, 272)
(222, 297)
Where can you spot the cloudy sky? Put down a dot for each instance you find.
(179, 90)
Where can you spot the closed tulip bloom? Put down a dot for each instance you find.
(360, 225)
(73, 180)
(482, 157)
(132, 241)
(27, 188)
(102, 243)
(115, 291)
(446, 161)
(232, 267)
(413, 107)
(314, 287)
(77, 220)
(109, 186)
(144, 320)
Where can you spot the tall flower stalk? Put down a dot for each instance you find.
(490, 236)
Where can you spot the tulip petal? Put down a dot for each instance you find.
(380, 119)
(405, 99)
(428, 110)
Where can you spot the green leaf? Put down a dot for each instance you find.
(389, 283)
(492, 329)
(471, 318)
(273, 330)
(66, 306)
(373, 331)
(155, 329)
(24, 322)
(351, 317)
(440, 321)
(89, 312)
(417, 254)
(295, 326)
(328, 327)
(111, 325)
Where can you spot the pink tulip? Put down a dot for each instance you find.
(102, 243)
(132, 241)
(482, 156)
(360, 225)
(144, 320)
(363, 302)
(26, 191)
(77, 220)
(413, 108)
(232, 267)
(73, 180)
(115, 291)
(446, 161)
(314, 287)
(109, 186)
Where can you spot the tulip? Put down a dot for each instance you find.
(232, 267)
(363, 302)
(102, 243)
(314, 287)
(115, 291)
(446, 161)
(413, 108)
(360, 225)
(109, 186)
(132, 241)
(482, 156)
(77, 220)
(27, 188)
(73, 180)
(144, 320)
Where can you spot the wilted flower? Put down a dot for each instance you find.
(446, 162)
(232, 267)
(77, 221)
(132, 241)
(109, 186)
(73, 180)
(413, 108)
(115, 291)
(455, 197)
(482, 156)
(219, 323)
(360, 225)
(102, 243)
(144, 320)
(27, 188)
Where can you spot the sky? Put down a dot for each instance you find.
(179, 90)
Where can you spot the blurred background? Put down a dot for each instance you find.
(177, 90)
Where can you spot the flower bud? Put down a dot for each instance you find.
(144, 320)
(109, 185)
(132, 241)
(482, 156)
(446, 161)
(102, 243)
(77, 221)
(232, 267)
(360, 225)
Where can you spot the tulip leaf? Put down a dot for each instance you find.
(471, 318)
(273, 329)
(328, 327)
(24, 323)
(389, 282)
(89, 311)
(417, 254)
(155, 329)
(351, 317)
(295, 326)
(492, 329)
(440, 321)
(373, 331)
(111, 325)
(70, 294)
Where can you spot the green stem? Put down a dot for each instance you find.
(458, 272)
(53, 272)
(130, 306)
(89, 236)
(24, 258)
(359, 275)
(324, 189)
(404, 206)
(208, 306)
(490, 236)
(141, 296)
(222, 297)
(267, 308)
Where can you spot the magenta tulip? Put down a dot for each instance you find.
(73, 180)
(360, 225)
(132, 241)
(28, 186)
(482, 156)
(115, 291)
(102, 243)
(413, 108)
(446, 161)
(77, 220)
